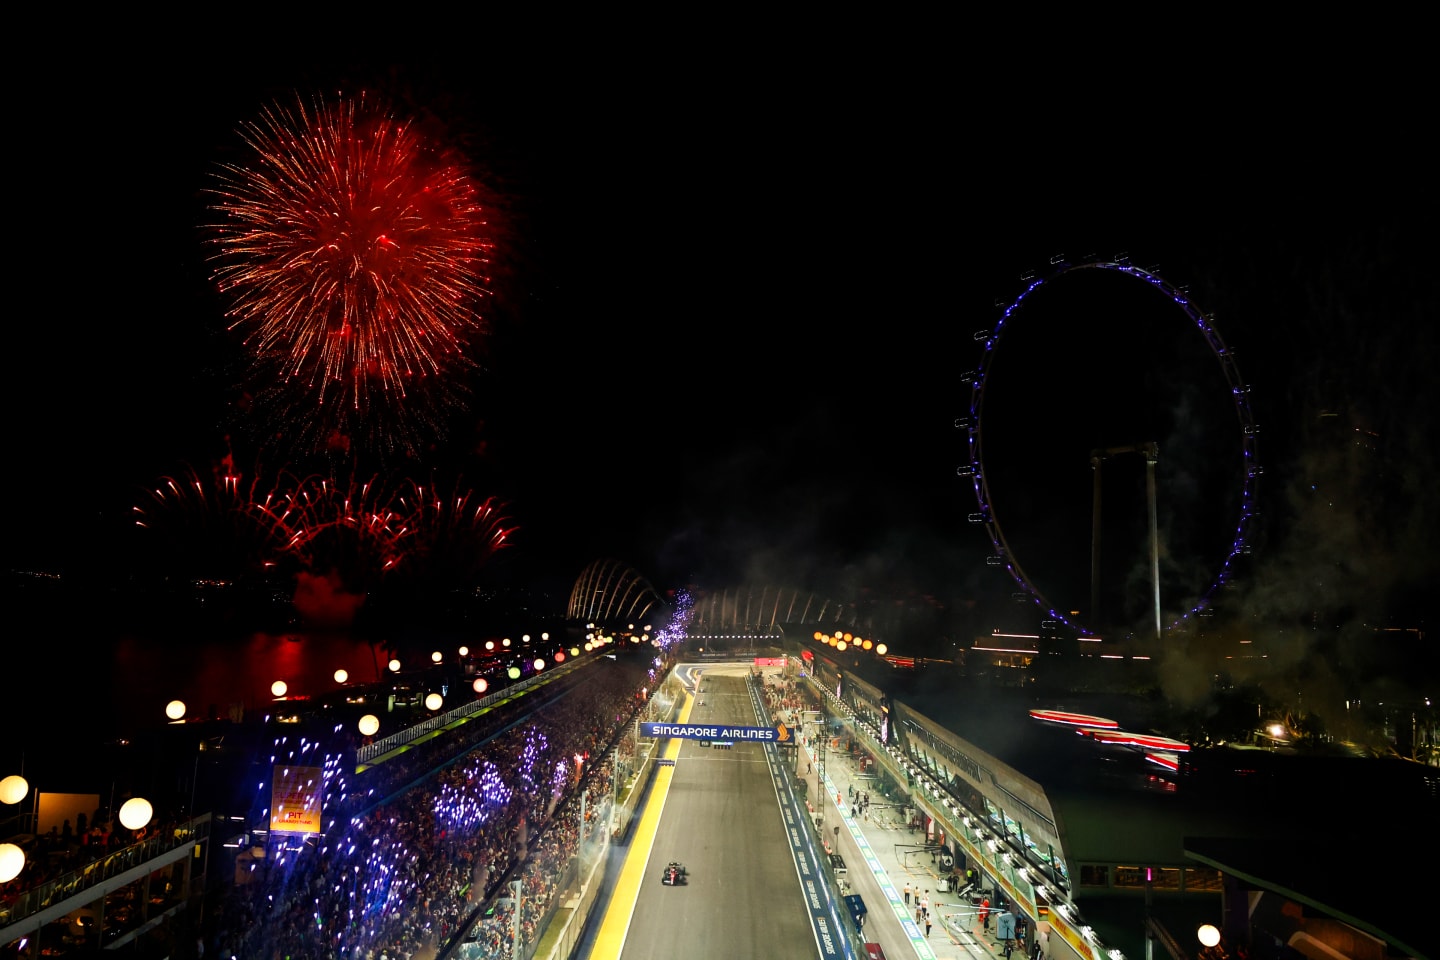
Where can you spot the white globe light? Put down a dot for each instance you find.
(278, 688)
(175, 709)
(539, 663)
(135, 813)
(369, 724)
(434, 701)
(480, 685)
(437, 656)
(394, 666)
(13, 789)
(1208, 934)
(341, 676)
(489, 644)
(12, 861)
(464, 651)
(881, 649)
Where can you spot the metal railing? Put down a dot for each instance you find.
(32, 901)
(410, 734)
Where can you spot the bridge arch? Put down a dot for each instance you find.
(765, 608)
(609, 591)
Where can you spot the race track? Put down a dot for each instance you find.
(716, 812)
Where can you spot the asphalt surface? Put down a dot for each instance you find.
(720, 813)
(722, 821)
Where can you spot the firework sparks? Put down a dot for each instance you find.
(367, 530)
(363, 531)
(205, 524)
(353, 253)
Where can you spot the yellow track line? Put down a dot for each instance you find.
(610, 940)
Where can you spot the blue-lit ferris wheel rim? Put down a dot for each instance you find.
(1239, 392)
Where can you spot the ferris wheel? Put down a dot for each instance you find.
(974, 469)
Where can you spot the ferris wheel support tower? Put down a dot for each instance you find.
(1151, 452)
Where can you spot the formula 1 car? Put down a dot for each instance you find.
(674, 875)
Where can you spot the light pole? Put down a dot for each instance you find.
(820, 789)
(820, 761)
(515, 919)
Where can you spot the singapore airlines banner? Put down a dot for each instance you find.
(695, 731)
(295, 795)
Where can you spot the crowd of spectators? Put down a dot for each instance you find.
(64, 849)
(402, 878)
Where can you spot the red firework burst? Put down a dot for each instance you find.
(353, 253)
(206, 525)
(365, 533)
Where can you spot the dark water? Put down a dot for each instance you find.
(84, 673)
(84, 718)
(226, 678)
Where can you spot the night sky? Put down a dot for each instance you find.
(730, 317)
